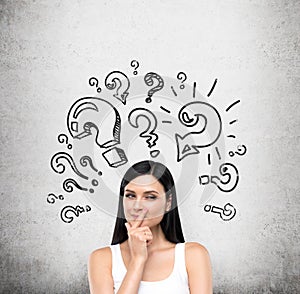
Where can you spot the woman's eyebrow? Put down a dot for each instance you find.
(127, 190)
(146, 192)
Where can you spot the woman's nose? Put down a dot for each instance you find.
(138, 205)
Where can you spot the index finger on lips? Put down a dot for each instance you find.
(137, 223)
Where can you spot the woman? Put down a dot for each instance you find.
(148, 253)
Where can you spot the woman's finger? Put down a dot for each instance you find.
(137, 223)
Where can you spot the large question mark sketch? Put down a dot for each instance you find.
(200, 116)
(97, 121)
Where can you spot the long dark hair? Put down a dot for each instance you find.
(170, 224)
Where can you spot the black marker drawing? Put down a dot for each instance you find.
(228, 181)
(194, 90)
(63, 138)
(69, 184)
(181, 76)
(60, 167)
(208, 121)
(86, 114)
(241, 150)
(231, 105)
(233, 121)
(94, 82)
(52, 197)
(166, 121)
(149, 80)
(115, 157)
(86, 160)
(213, 86)
(164, 109)
(231, 136)
(227, 213)
(139, 113)
(118, 77)
(172, 88)
(208, 159)
(135, 64)
(218, 153)
(67, 212)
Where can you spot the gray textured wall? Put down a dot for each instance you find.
(50, 48)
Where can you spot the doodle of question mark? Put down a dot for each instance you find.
(135, 64)
(241, 150)
(118, 77)
(63, 138)
(149, 80)
(52, 197)
(94, 82)
(228, 181)
(133, 118)
(227, 213)
(181, 76)
(209, 127)
(65, 212)
(86, 114)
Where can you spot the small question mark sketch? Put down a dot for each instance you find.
(52, 197)
(60, 167)
(63, 138)
(181, 76)
(227, 213)
(241, 150)
(86, 114)
(134, 116)
(86, 160)
(118, 77)
(135, 64)
(67, 211)
(149, 80)
(69, 184)
(94, 82)
(209, 128)
(229, 180)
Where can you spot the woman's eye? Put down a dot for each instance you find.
(151, 197)
(129, 196)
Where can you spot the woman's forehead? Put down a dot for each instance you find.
(145, 182)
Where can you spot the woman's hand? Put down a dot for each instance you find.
(138, 239)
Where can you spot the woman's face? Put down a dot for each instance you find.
(145, 192)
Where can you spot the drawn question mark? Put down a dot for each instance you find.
(181, 76)
(94, 82)
(135, 64)
(59, 167)
(228, 181)
(227, 213)
(52, 197)
(76, 211)
(118, 77)
(151, 137)
(205, 122)
(63, 138)
(241, 150)
(149, 80)
(86, 160)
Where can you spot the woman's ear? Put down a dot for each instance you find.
(169, 203)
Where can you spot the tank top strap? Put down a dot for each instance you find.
(179, 265)
(118, 267)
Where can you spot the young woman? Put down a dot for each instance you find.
(148, 252)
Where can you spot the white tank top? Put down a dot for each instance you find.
(177, 282)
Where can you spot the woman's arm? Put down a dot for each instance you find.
(198, 268)
(99, 272)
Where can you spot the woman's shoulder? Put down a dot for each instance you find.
(195, 252)
(102, 255)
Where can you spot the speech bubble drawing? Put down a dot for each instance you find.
(118, 78)
(206, 120)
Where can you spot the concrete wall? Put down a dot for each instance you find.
(49, 49)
